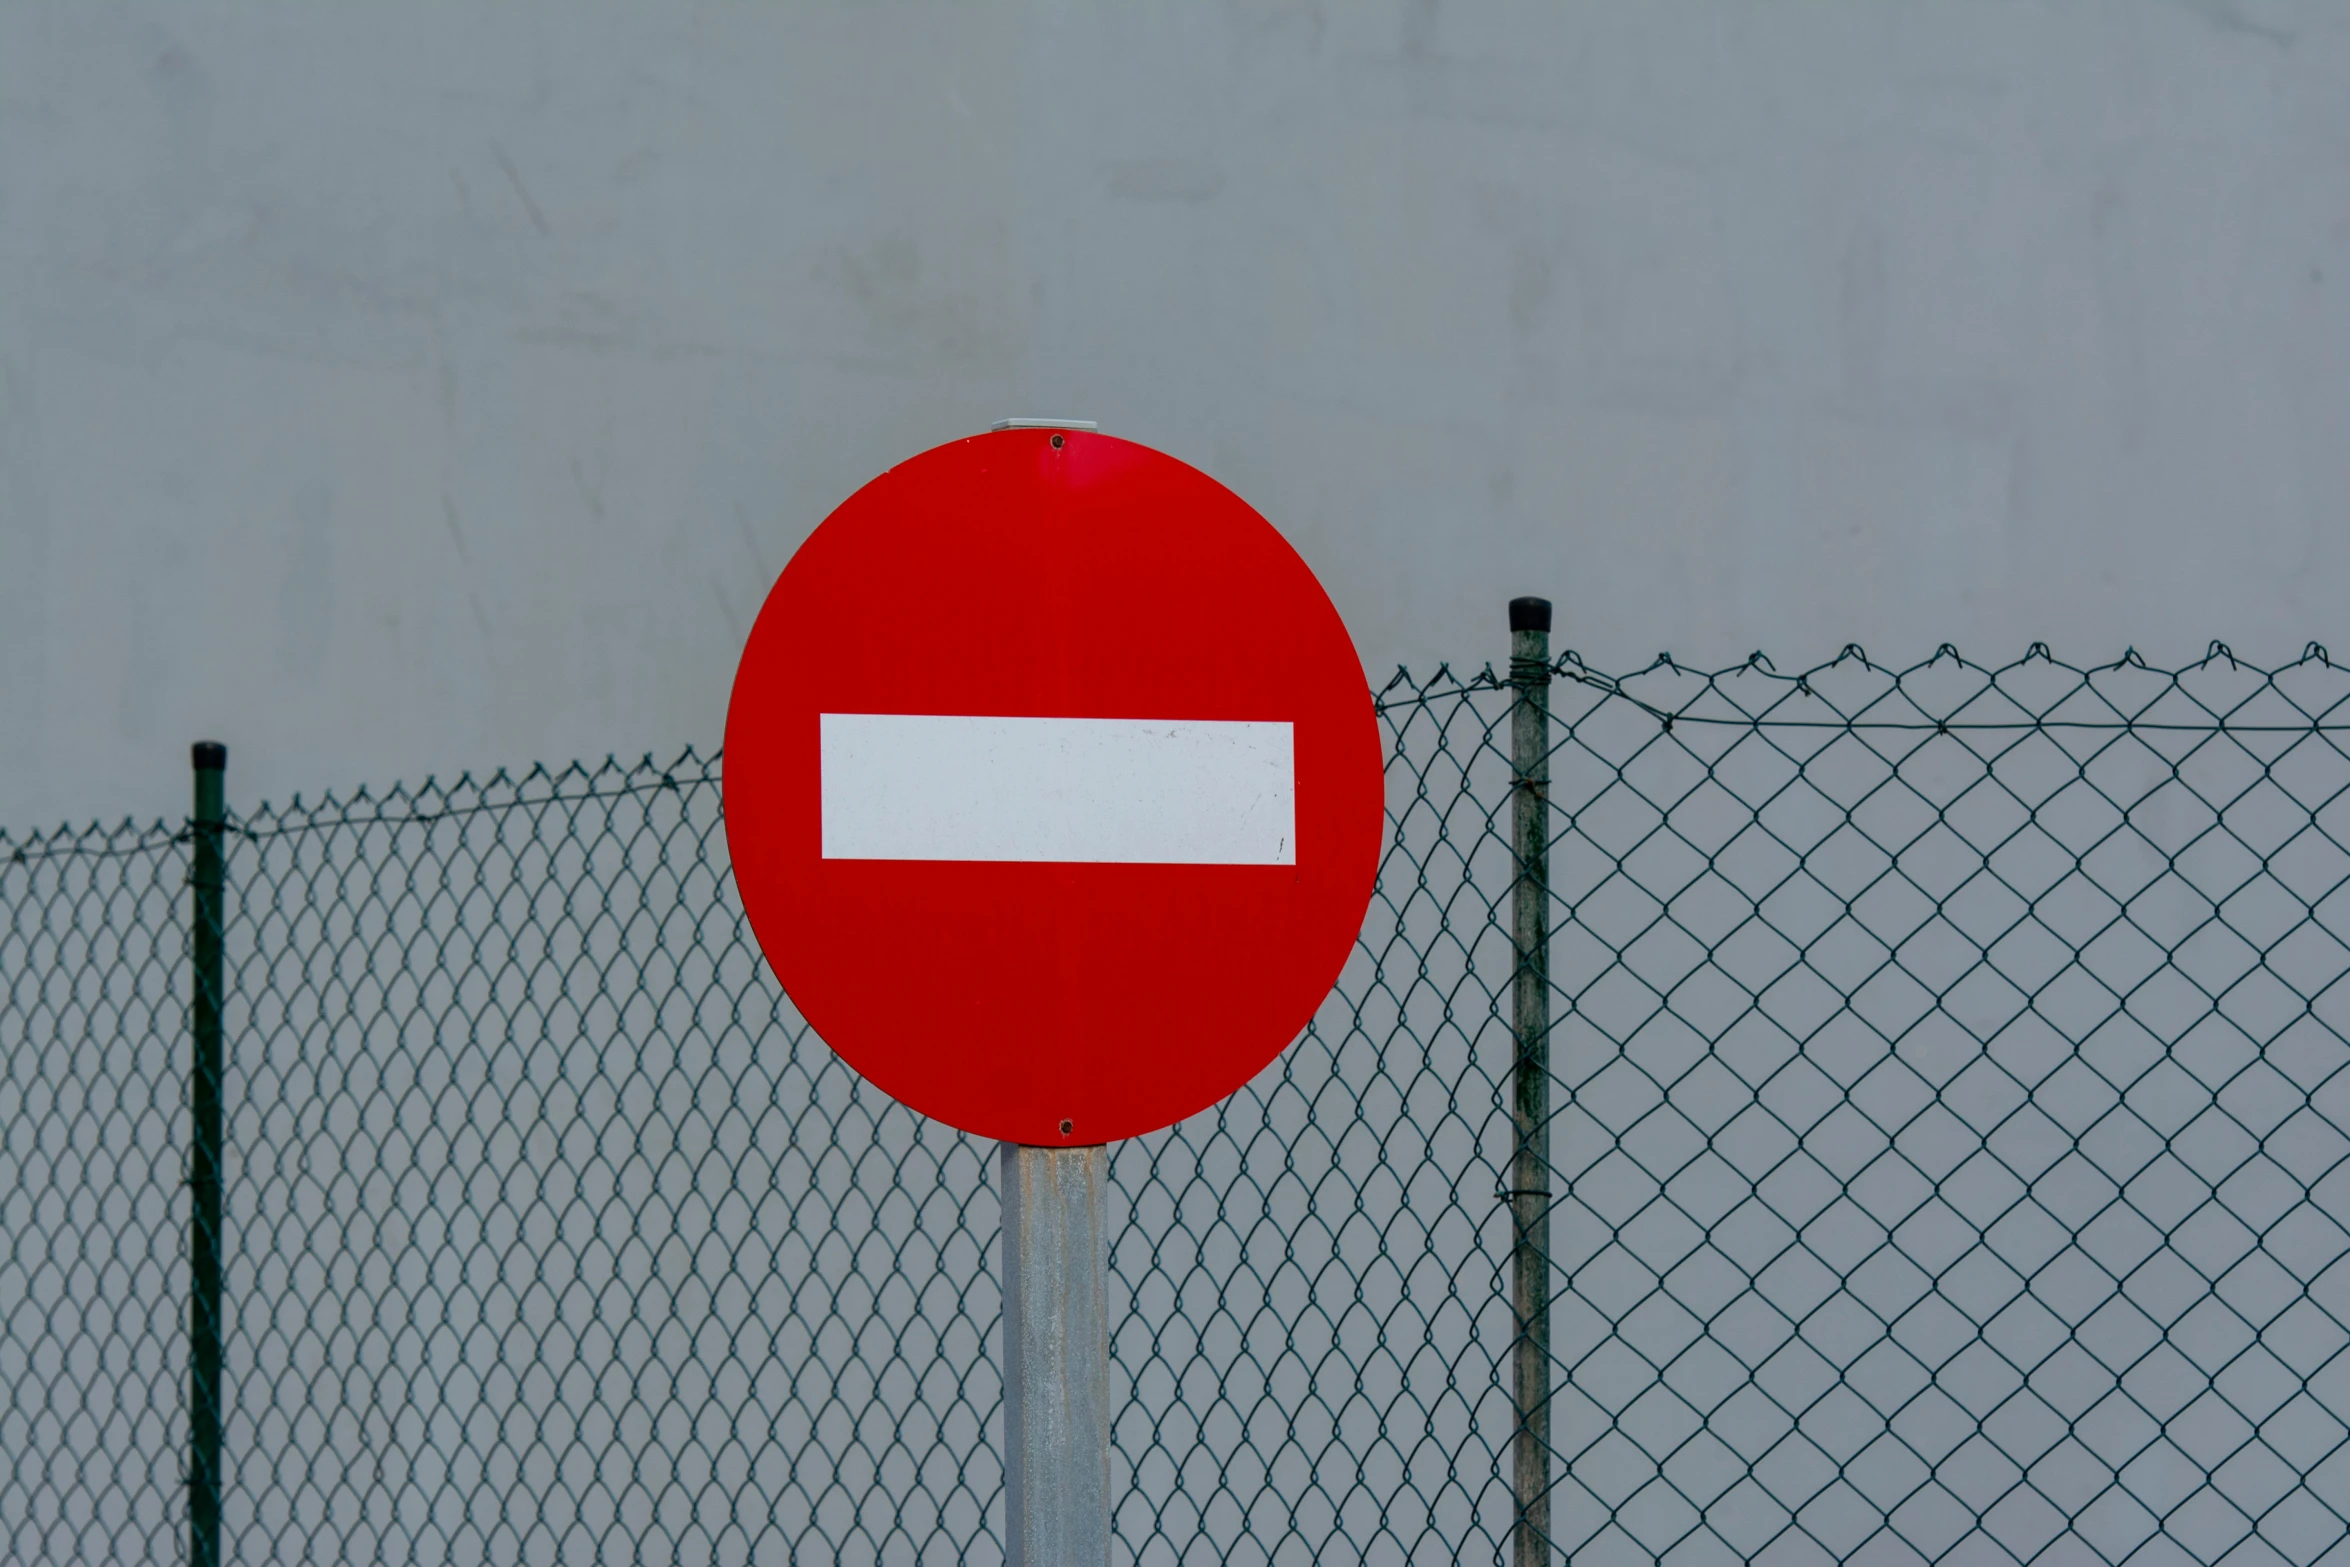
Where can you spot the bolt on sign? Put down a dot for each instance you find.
(1052, 786)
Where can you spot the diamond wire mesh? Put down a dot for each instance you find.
(93, 1146)
(1956, 1101)
(1949, 1125)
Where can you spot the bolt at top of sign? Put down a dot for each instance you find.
(1053, 786)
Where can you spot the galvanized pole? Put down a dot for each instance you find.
(1530, 1076)
(1056, 1357)
(207, 828)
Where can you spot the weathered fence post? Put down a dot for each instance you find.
(1530, 1076)
(209, 879)
(1056, 1357)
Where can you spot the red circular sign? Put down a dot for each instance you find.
(1053, 786)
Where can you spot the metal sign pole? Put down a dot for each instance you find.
(1056, 1357)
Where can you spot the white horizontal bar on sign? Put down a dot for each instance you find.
(925, 786)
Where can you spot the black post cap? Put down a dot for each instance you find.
(210, 756)
(1529, 614)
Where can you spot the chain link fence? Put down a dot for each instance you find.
(1946, 1134)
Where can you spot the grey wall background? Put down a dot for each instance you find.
(400, 389)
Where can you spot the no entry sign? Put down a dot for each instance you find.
(1052, 786)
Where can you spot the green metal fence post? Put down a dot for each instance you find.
(207, 829)
(1530, 1077)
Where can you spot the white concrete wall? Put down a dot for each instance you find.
(389, 389)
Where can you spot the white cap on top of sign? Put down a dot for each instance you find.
(1044, 424)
